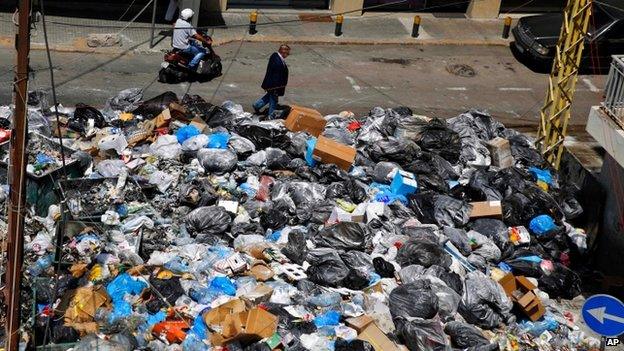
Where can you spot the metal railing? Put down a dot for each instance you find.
(614, 91)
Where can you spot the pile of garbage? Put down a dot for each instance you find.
(203, 227)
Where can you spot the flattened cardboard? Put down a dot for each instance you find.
(261, 323)
(217, 315)
(303, 119)
(179, 112)
(482, 209)
(377, 338)
(359, 323)
(84, 304)
(330, 151)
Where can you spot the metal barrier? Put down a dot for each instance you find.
(614, 91)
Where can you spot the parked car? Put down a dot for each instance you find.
(536, 37)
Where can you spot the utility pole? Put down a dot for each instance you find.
(17, 181)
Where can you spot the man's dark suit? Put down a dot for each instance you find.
(276, 76)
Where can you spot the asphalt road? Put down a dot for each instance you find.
(438, 81)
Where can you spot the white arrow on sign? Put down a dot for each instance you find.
(600, 314)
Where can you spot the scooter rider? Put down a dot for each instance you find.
(184, 35)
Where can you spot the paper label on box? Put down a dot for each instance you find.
(494, 203)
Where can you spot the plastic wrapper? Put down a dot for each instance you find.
(208, 220)
(344, 236)
(415, 299)
(126, 100)
(484, 302)
(425, 254)
(217, 160)
(111, 168)
(154, 106)
(423, 334)
(166, 146)
(326, 267)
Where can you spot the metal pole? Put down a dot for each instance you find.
(17, 181)
(153, 23)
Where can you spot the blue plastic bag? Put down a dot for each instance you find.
(538, 327)
(186, 132)
(542, 175)
(329, 318)
(124, 284)
(176, 265)
(223, 285)
(542, 225)
(310, 145)
(218, 140)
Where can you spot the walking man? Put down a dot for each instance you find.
(275, 80)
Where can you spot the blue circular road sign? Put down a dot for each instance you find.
(604, 314)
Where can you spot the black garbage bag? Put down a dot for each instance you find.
(440, 209)
(213, 115)
(480, 184)
(217, 160)
(422, 334)
(422, 233)
(353, 345)
(438, 138)
(326, 267)
(265, 134)
(355, 280)
(424, 254)
(451, 279)
(170, 289)
(242, 146)
(213, 220)
(414, 299)
(384, 268)
(497, 231)
(561, 283)
(459, 239)
(277, 158)
(85, 112)
(464, 335)
(344, 236)
(429, 163)
(524, 153)
(314, 212)
(154, 106)
(335, 190)
(273, 219)
(355, 190)
(246, 229)
(484, 302)
(382, 171)
(62, 334)
(395, 150)
(358, 261)
(296, 249)
(197, 194)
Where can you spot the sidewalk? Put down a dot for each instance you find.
(70, 34)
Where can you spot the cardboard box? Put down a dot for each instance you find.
(246, 326)
(303, 119)
(403, 183)
(500, 152)
(200, 125)
(330, 151)
(520, 291)
(179, 112)
(486, 209)
(359, 323)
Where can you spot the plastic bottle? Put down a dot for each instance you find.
(43, 263)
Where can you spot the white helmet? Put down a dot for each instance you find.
(186, 14)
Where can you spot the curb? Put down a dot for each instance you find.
(78, 46)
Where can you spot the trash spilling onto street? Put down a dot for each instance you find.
(191, 226)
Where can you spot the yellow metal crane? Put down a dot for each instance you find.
(555, 113)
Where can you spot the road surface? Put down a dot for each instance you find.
(437, 81)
